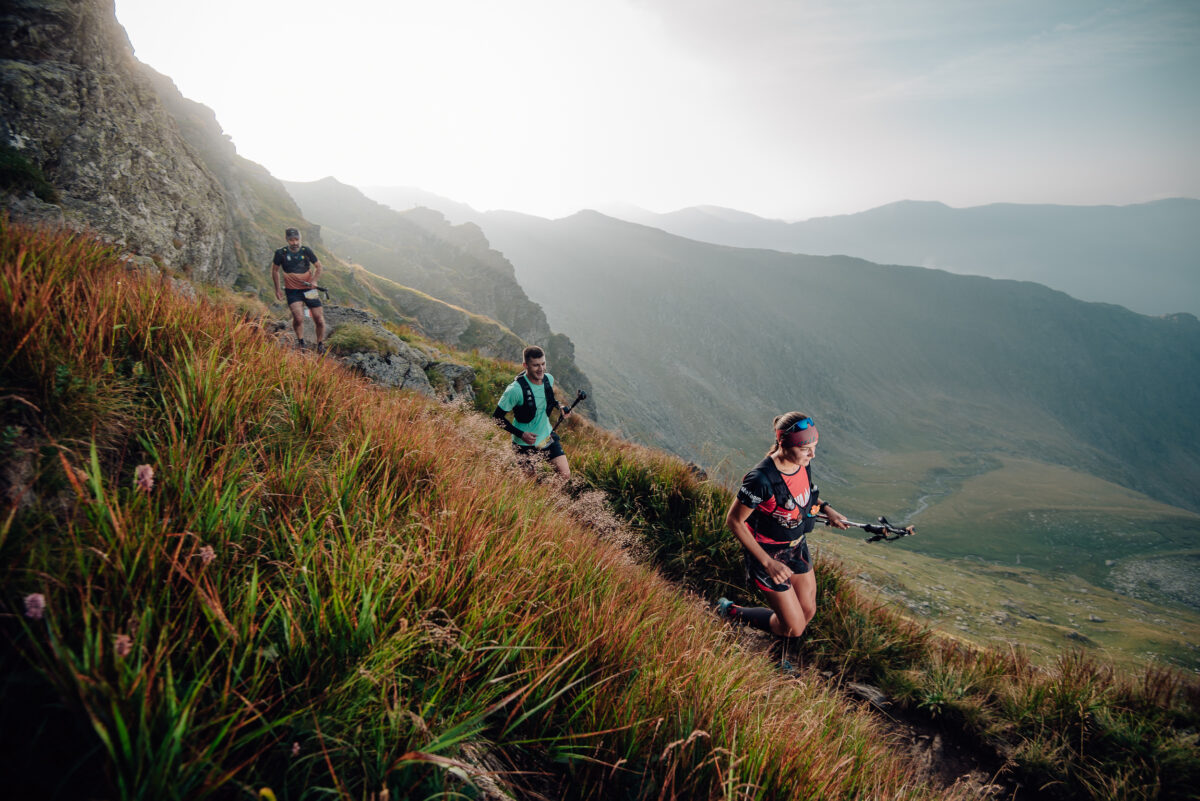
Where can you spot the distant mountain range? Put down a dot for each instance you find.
(691, 343)
(1145, 257)
(1005, 418)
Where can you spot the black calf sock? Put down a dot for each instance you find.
(756, 617)
(789, 647)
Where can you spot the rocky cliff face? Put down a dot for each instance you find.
(124, 153)
(258, 206)
(76, 103)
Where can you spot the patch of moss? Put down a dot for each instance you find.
(17, 174)
(404, 332)
(355, 338)
(437, 381)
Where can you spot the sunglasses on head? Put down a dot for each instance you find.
(799, 425)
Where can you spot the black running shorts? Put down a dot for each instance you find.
(796, 557)
(551, 451)
(298, 296)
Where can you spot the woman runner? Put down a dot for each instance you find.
(770, 517)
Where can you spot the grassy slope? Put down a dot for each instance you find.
(967, 598)
(376, 607)
(1109, 538)
(329, 588)
(1056, 727)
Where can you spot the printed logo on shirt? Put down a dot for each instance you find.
(750, 496)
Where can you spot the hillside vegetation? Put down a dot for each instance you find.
(328, 589)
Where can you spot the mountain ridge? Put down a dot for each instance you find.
(1140, 255)
(421, 249)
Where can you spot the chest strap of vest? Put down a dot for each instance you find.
(528, 405)
(765, 525)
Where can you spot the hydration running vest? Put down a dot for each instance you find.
(525, 412)
(766, 525)
(295, 263)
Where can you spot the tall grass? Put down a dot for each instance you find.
(1075, 729)
(331, 589)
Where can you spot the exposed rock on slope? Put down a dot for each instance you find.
(76, 103)
(388, 360)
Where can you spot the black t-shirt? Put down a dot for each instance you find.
(297, 262)
(779, 511)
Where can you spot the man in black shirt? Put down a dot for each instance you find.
(300, 284)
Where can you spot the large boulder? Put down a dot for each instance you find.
(397, 371)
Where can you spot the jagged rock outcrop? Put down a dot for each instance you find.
(390, 370)
(392, 362)
(76, 103)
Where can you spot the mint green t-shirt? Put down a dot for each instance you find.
(540, 424)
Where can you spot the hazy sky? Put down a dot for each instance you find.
(784, 108)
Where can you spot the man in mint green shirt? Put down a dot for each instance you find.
(530, 398)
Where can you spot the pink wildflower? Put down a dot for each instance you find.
(35, 606)
(207, 554)
(295, 749)
(123, 645)
(143, 477)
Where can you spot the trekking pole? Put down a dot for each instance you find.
(563, 415)
(883, 532)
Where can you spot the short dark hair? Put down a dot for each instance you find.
(533, 352)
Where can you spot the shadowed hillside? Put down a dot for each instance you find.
(892, 358)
